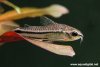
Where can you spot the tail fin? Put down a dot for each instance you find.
(57, 10)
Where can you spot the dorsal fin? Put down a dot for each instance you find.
(46, 21)
(26, 25)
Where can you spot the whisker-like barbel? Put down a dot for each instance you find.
(81, 39)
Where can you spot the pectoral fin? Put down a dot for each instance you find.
(54, 48)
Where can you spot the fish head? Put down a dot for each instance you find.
(72, 33)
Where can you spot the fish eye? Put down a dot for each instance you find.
(74, 33)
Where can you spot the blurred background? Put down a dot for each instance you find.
(84, 15)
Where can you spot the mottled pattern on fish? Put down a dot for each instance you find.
(57, 36)
(47, 26)
(50, 30)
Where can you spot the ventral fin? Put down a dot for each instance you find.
(46, 21)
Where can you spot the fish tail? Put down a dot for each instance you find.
(6, 26)
(56, 10)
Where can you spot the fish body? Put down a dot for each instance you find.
(45, 36)
(50, 31)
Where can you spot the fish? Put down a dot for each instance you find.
(11, 5)
(54, 10)
(50, 31)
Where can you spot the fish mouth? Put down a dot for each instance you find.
(65, 50)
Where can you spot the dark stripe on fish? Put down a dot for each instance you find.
(18, 31)
(36, 38)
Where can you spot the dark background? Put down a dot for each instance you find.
(84, 15)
